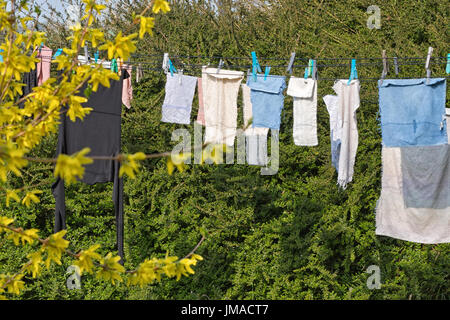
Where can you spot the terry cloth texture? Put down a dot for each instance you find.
(177, 105)
(412, 112)
(256, 138)
(304, 92)
(426, 176)
(393, 219)
(100, 131)
(220, 93)
(267, 100)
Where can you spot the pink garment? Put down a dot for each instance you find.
(43, 66)
(127, 89)
(201, 114)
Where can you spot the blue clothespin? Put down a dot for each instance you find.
(353, 73)
(448, 64)
(40, 47)
(1, 57)
(255, 64)
(57, 53)
(171, 68)
(96, 55)
(266, 73)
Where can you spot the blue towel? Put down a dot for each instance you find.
(267, 100)
(413, 112)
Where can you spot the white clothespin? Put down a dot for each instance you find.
(220, 66)
(86, 54)
(427, 64)
(165, 65)
(314, 70)
(385, 66)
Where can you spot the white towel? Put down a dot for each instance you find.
(304, 92)
(348, 103)
(256, 138)
(394, 220)
(177, 105)
(220, 92)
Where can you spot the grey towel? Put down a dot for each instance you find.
(426, 176)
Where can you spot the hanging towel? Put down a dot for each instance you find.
(100, 130)
(256, 138)
(412, 112)
(304, 92)
(332, 103)
(201, 107)
(426, 176)
(178, 100)
(44, 64)
(393, 219)
(220, 93)
(127, 90)
(267, 100)
(343, 108)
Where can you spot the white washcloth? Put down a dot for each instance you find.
(304, 92)
(220, 93)
(256, 138)
(177, 105)
(348, 103)
(394, 220)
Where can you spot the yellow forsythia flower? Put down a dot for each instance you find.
(162, 5)
(11, 194)
(146, 26)
(31, 196)
(86, 259)
(69, 167)
(111, 269)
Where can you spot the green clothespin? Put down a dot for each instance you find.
(309, 69)
(114, 66)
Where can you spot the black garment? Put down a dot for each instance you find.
(100, 130)
(30, 81)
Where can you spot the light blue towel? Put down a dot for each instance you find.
(413, 112)
(267, 100)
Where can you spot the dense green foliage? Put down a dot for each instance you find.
(293, 235)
